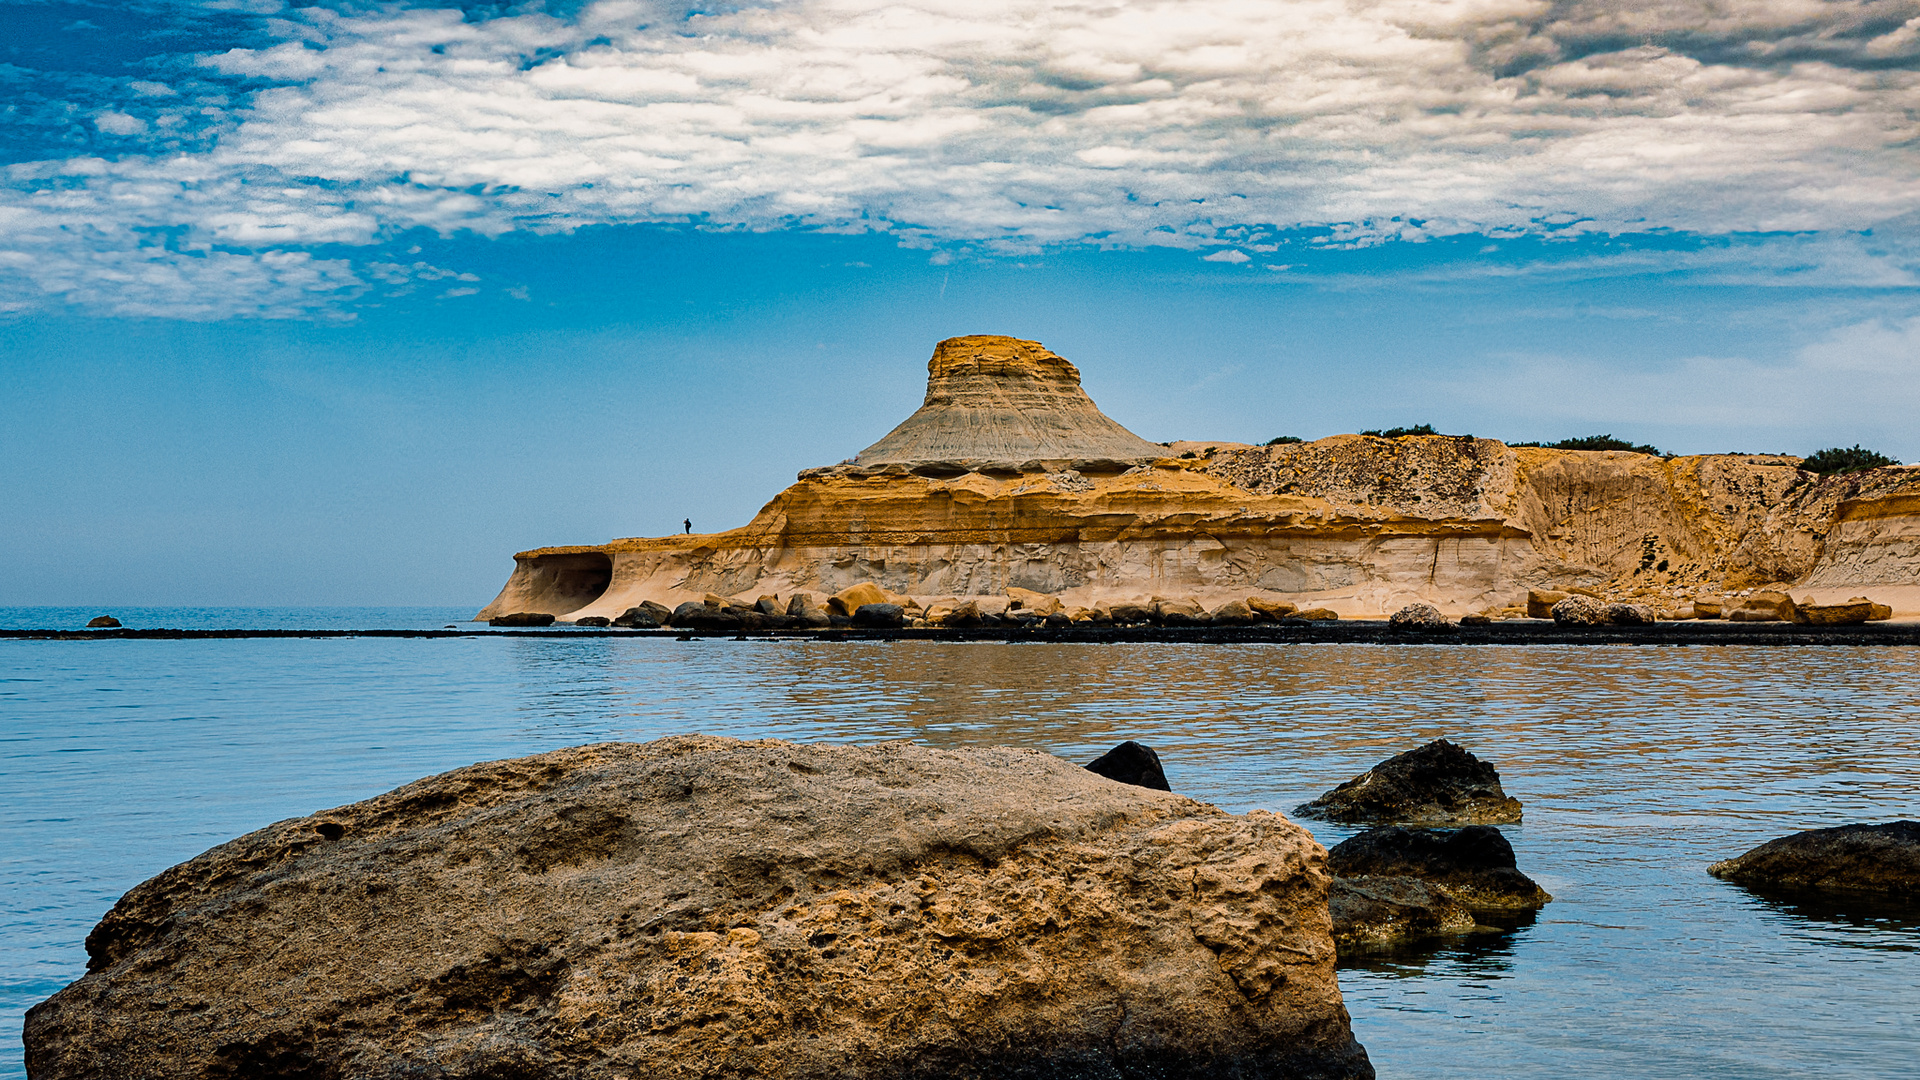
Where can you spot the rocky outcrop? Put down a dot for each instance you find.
(103, 622)
(1875, 859)
(522, 618)
(1418, 616)
(1393, 884)
(705, 907)
(1010, 477)
(1131, 763)
(1436, 784)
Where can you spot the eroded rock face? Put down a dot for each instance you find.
(1475, 865)
(705, 907)
(1000, 399)
(1882, 859)
(1437, 784)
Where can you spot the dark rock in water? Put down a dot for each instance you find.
(1437, 784)
(730, 910)
(593, 620)
(695, 615)
(1058, 621)
(640, 618)
(1131, 763)
(1475, 865)
(103, 622)
(521, 618)
(1386, 910)
(689, 610)
(879, 616)
(1882, 859)
(1418, 616)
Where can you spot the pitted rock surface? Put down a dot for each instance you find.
(1475, 865)
(1883, 859)
(702, 907)
(1437, 784)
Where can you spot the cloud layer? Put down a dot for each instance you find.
(1005, 124)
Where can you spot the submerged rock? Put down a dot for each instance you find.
(1475, 865)
(1437, 784)
(522, 618)
(1385, 910)
(701, 906)
(1131, 763)
(1882, 859)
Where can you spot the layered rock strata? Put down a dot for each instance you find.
(701, 907)
(1009, 476)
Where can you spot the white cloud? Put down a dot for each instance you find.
(1018, 123)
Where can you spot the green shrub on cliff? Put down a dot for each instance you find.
(1401, 432)
(1598, 442)
(1282, 440)
(1840, 459)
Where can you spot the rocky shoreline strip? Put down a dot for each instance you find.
(1351, 632)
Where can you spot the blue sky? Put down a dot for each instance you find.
(346, 303)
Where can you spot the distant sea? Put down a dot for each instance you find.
(1637, 766)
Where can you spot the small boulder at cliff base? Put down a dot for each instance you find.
(1869, 859)
(879, 616)
(1131, 763)
(1418, 616)
(700, 906)
(1579, 610)
(1437, 784)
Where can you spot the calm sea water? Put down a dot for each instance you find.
(1638, 766)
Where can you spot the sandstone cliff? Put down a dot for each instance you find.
(1010, 477)
(701, 907)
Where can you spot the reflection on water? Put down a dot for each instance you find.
(1849, 920)
(1486, 952)
(1637, 766)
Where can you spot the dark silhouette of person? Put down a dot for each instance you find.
(688, 524)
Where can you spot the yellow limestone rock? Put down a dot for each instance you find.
(1041, 604)
(1540, 602)
(1271, 609)
(848, 601)
(1009, 475)
(1859, 609)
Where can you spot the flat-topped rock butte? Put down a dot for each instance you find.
(1009, 476)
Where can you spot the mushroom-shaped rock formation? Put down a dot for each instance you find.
(1001, 399)
(700, 906)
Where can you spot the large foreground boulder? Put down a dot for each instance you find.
(701, 907)
(1882, 859)
(1437, 784)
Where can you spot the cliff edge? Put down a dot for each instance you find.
(1010, 476)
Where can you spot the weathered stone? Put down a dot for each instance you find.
(1385, 910)
(696, 615)
(1475, 865)
(1273, 610)
(966, 615)
(1630, 615)
(1706, 607)
(1857, 610)
(1478, 618)
(770, 605)
(522, 618)
(1540, 602)
(879, 616)
(103, 622)
(1580, 611)
(639, 617)
(1233, 613)
(848, 600)
(1436, 784)
(1765, 606)
(1128, 612)
(1131, 763)
(1418, 616)
(1317, 614)
(1058, 620)
(1881, 612)
(593, 620)
(1882, 859)
(1179, 612)
(1040, 604)
(704, 907)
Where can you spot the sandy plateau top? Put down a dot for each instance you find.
(1000, 398)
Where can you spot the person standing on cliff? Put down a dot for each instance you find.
(687, 524)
